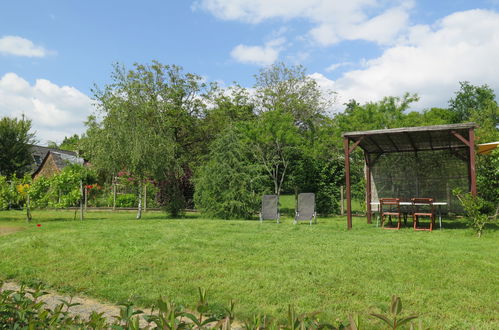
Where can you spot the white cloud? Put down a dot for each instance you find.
(18, 46)
(335, 66)
(380, 21)
(463, 46)
(55, 111)
(259, 55)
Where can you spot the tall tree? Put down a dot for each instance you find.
(291, 107)
(290, 90)
(470, 99)
(228, 185)
(15, 141)
(149, 125)
(274, 140)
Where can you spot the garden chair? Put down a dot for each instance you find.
(390, 207)
(305, 208)
(270, 208)
(423, 207)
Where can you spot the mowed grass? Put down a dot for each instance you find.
(448, 277)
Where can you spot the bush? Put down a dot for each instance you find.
(125, 200)
(475, 208)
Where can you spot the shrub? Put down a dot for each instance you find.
(125, 200)
(474, 207)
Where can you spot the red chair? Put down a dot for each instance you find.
(423, 207)
(389, 207)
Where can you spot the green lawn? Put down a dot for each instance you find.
(448, 277)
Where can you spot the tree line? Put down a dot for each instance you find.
(219, 149)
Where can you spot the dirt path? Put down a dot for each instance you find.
(87, 305)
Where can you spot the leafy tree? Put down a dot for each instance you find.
(274, 140)
(15, 141)
(149, 126)
(227, 107)
(470, 99)
(387, 113)
(291, 108)
(291, 90)
(229, 183)
(71, 143)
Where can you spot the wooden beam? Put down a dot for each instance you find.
(472, 161)
(461, 138)
(355, 145)
(368, 186)
(346, 147)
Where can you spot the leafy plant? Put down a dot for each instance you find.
(393, 320)
(474, 206)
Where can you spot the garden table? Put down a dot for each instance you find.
(437, 204)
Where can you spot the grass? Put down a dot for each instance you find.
(287, 204)
(448, 277)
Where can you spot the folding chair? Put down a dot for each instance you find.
(270, 208)
(305, 208)
(423, 207)
(390, 207)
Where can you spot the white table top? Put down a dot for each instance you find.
(410, 203)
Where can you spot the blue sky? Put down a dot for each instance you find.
(53, 52)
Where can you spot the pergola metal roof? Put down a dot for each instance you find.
(412, 139)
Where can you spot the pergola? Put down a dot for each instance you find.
(456, 139)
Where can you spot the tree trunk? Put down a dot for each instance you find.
(145, 197)
(82, 192)
(28, 209)
(139, 209)
(114, 195)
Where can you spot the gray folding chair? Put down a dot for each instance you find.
(305, 209)
(270, 208)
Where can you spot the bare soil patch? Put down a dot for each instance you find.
(9, 230)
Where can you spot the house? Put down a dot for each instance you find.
(48, 161)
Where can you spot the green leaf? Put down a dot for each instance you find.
(383, 318)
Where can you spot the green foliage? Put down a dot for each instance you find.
(322, 176)
(150, 125)
(470, 99)
(174, 256)
(487, 177)
(288, 89)
(393, 321)
(8, 192)
(15, 140)
(475, 208)
(125, 200)
(228, 185)
(25, 308)
(274, 139)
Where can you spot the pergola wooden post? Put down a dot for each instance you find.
(472, 161)
(348, 151)
(368, 186)
(375, 143)
(346, 146)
